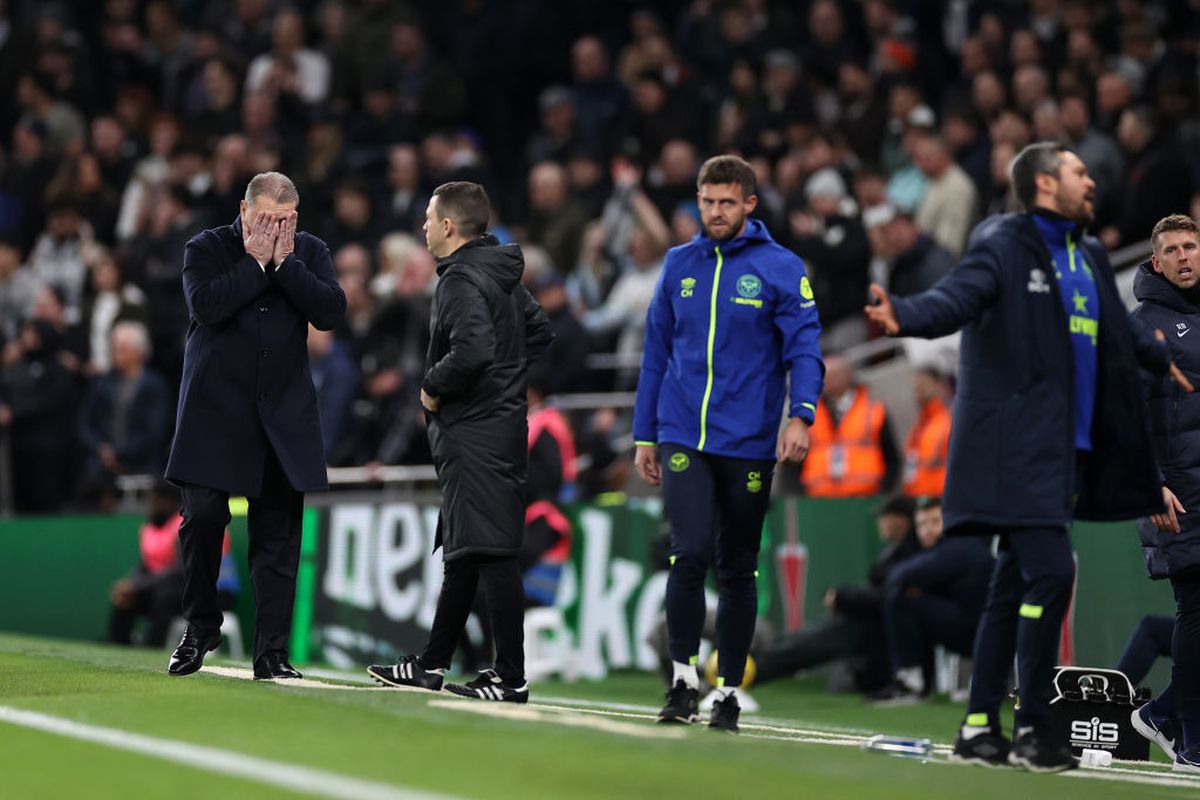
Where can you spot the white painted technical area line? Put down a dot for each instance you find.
(305, 780)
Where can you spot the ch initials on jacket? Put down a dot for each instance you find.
(1037, 282)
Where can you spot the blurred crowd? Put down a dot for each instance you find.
(880, 131)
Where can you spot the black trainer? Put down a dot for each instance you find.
(725, 714)
(683, 704)
(406, 672)
(989, 749)
(1037, 754)
(490, 686)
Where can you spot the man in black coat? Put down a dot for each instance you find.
(247, 422)
(1168, 287)
(1049, 424)
(486, 328)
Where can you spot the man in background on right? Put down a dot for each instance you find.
(1167, 288)
(1049, 426)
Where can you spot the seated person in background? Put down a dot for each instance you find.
(934, 598)
(155, 586)
(854, 628)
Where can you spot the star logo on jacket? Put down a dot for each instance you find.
(686, 287)
(749, 286)
(678, 462)
(1080, 302)
(1181, 329)
(1037, 282)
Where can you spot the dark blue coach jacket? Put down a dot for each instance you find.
(1012, 451)
(1174, 423)
(246, 386)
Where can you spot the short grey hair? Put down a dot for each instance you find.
(273, 185)
(137, 331)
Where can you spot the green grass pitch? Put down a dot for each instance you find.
(217, 735)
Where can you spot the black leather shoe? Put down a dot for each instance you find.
(274, 665)
(189, 655)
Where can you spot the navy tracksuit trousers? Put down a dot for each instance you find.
(1028, 597)
(715, 506)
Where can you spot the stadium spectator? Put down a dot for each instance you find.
(18, 287)
(852, 452)
(934, 598)
(157, 268)
(914, 260)
(125, 415)
(42, 396)
(564, 366)
(1158, 185)
(110, 300)
(947, 210)
(827, 234)
(556, 220)
(550, 482)
(290, 70)
(854, 626)
(335, 377)
(57, 256)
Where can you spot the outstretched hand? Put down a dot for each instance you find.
(882, 313)
(1176, 373)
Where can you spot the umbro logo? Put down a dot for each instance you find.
(1037, 282)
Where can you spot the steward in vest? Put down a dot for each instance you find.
(851, 452)
(928, 443)
(550, 482)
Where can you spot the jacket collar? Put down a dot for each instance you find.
(1150, 286)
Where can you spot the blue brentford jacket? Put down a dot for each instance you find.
(728, 322)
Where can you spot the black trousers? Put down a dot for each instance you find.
(1027, 599)
(1185, 651)
(155, 597)
(504, 597)
(274, 528)
(1151, 638)
(716, 506)
(916, 623)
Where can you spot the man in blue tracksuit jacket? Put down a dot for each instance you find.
(732, 318)
(1049, 424)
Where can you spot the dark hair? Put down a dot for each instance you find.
(897, 504)
(928, 502)
(728, 169)
(1175, 222)
(467, 204)
(1039, 158)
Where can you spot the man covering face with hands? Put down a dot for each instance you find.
(247, 422)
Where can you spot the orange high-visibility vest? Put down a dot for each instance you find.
(926, 451)
(550, 420)
(847, 460)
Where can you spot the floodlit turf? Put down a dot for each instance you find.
(401, 739)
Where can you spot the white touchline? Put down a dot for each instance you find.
(305, 780)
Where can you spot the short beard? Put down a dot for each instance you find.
(734, 230)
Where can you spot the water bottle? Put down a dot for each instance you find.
(899, 746)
